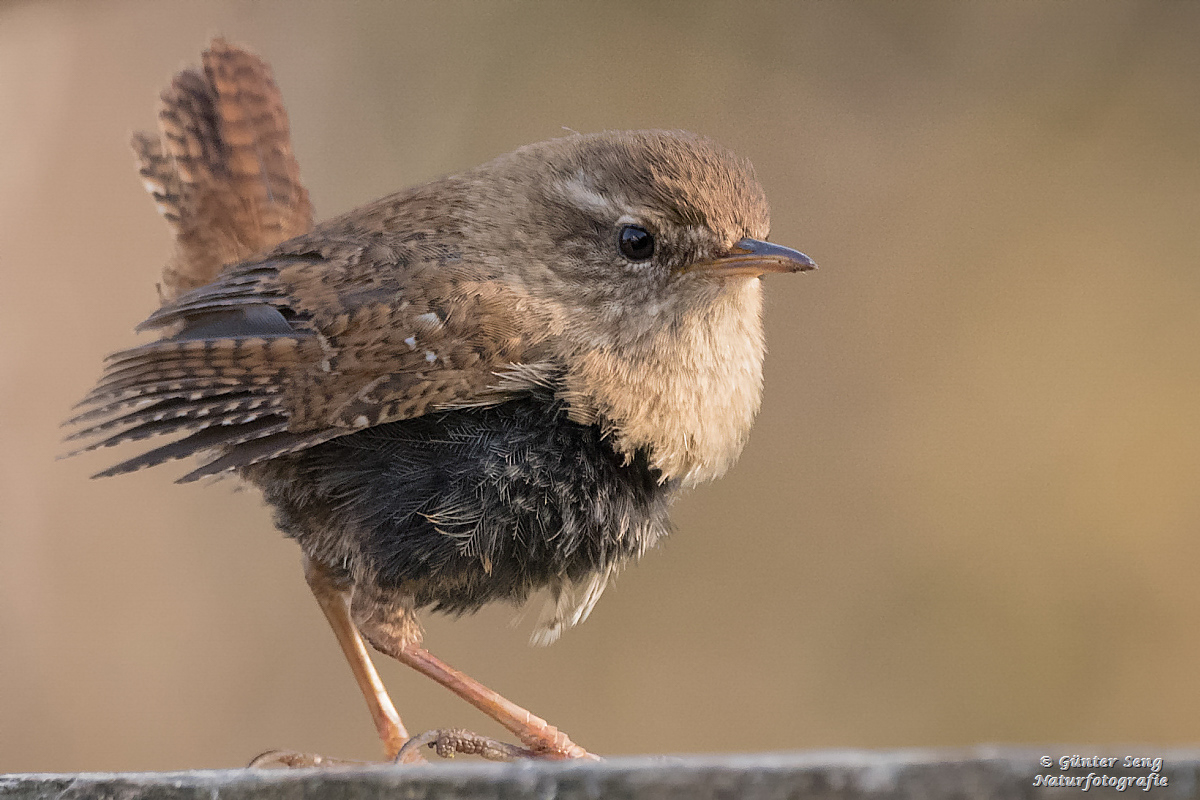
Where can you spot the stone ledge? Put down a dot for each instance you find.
(982, 772)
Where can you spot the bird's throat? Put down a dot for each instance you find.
(687, 394)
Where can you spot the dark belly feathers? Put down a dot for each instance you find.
(459, 508)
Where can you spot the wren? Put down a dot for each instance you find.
(472, 390)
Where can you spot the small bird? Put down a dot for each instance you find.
(470, 391)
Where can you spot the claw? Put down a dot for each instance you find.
(447, 742)
(290, 759)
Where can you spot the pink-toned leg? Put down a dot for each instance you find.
(335, 602)
(542, 738)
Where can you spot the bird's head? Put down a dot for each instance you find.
(639, 253)
(630, 230)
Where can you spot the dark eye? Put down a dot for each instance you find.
(636, 243)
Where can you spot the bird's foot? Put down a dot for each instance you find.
(448, 742)
(290, 759)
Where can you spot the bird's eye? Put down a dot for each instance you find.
(636, 243)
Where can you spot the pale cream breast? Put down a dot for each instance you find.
(687, 394)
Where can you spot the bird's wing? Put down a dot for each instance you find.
(328, 334)
(370, 319)
(357, 324)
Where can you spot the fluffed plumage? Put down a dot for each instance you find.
(463, 392)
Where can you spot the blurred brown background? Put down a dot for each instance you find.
(969, 510)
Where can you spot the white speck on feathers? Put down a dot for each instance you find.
(429, 321)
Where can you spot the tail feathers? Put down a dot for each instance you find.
(254, 128)
(159, 177)
(222, 173)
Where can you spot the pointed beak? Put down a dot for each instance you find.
(750, 258)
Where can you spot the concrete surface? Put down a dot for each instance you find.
(984, 772)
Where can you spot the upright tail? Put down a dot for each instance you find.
(222, 171)
(224, 177)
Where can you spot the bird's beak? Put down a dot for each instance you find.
(750, 258)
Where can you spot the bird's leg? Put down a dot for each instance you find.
(334, 598)
(534, 732)
(393, 631)
(388, 623)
